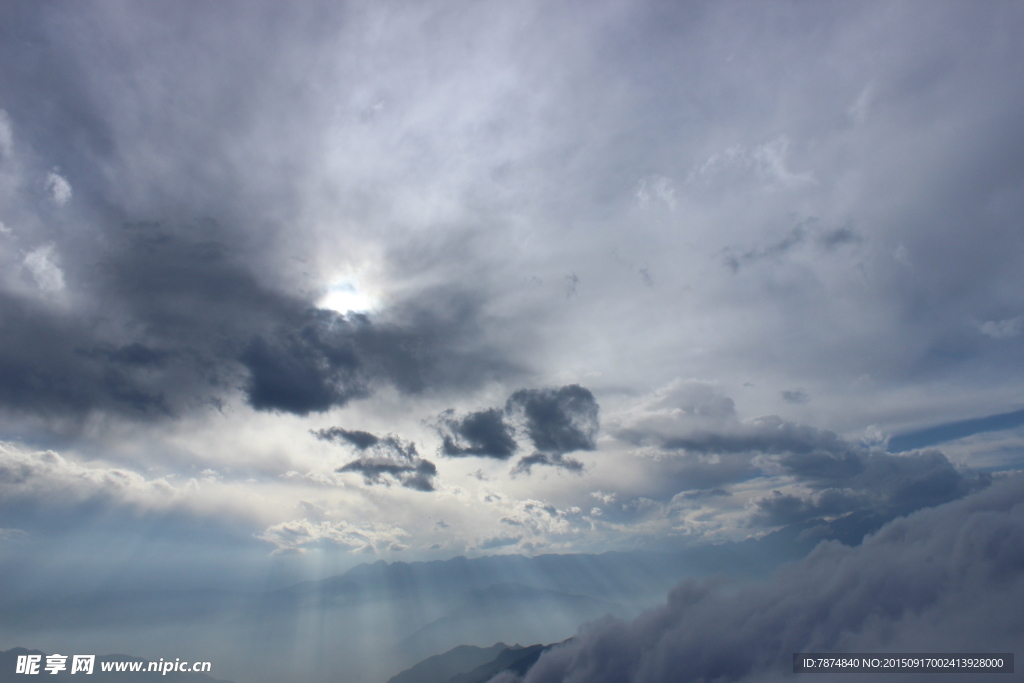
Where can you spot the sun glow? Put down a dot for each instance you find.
(345, 297)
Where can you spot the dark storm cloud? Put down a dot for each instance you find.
(482, 433)
(53, 364)
(193, 293)
(359, 439)
(417, 475)
(556, 421)
(185, 322)
(390, 459)
(948, 579)
(309, 369)
(526, 463)
(328, 359)
(559, 420)
(134, 355)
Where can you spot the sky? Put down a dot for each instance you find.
(289, 288)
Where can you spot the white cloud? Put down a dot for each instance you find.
(59, 188)
(297, 535)
(902, 255)
(1002, 329)
(656, 187)
(770, 161)
(858, 111)
(6, 135)
(46, 476)
(766, 162)
(49, 480)
(42, 263)
(674, 408)
(542, 519)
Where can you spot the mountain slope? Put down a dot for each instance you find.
(442, 668)
(513, 612)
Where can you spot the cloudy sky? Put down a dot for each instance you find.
(287, 288)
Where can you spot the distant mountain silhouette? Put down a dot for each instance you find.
(502, 611)
(518, 661)
(620, 575)
(457, 665)
(459, 660)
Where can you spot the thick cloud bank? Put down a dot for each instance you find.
(947, 579)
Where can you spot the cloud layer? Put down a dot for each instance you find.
(942, 580)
